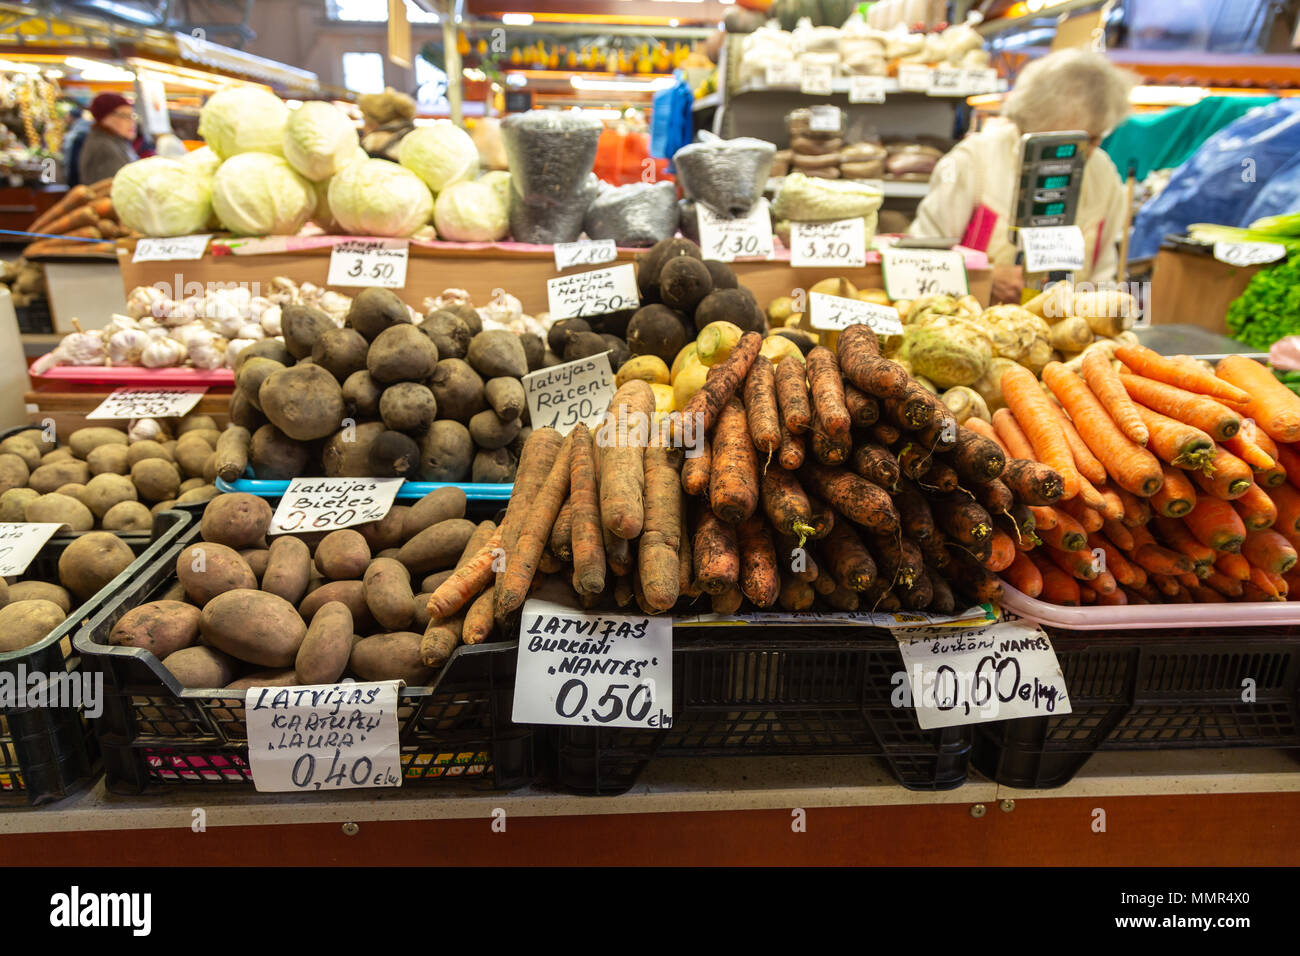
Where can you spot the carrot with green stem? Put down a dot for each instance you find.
(858, 351)
(1089, 465)
(521, 565)
(1176, 496)
(1257, 509)
(898, 560)
(733, 481)
(1273, 406)
(761, 407)
(1215, 523)
(1033, 413)
(1176, 442)
(1226, 476)
(792, 395)
(1200, 411)
(1268, 550)
(1190, 377)
(1129, 464)
(785, 504)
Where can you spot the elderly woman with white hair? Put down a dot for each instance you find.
(971, 188)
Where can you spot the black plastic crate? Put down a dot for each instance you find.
(155, 733)
(807, 691)
(1152, 690)
(48, 752)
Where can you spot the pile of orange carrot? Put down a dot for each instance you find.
(85, 212)
(1181, 483)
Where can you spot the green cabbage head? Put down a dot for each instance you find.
(319, 140)
(440, 154)
(243, 119)
(471, 212)
(379, 198)
(203, 160)
(257, 194)
(162, 197)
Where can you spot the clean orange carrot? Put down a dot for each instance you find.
(1288, 456)
(1265, 443)
(1233, 565)
(466, 582)
(1176, 536)
(1286, 498)
(1119, 534)
(1077, 564)
(1058, 586)
(1176, 442)
(1292, 579)
(1084, 459)
(1257, 509)
(1220, 582)
(1112, 504)
(1011, 435)
(1166, 585)
(1130, 465)
(1115, 562)
(1264, 581)
(1245, 448)
(1033, 412)
(1269, 550)
(1226, 477)
(1141, 536)
(1067, 534)
(1275, 408)
(980, 427)
(1279, 582)
(1213, 522)
(1002, 554)
(1161, 560)
(1086, 594)
(1024, 576)
(1115, 598)
(1193, 378)
(1137, 511)
(1105, 384)
(1104, 583)
(1200, 411)
(1089, 518)
(1044, 517)
(1176, 496)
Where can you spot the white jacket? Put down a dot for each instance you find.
(982, 169)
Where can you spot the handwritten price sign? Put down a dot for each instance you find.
(588, 252)
(173, 249)
(749, 237)
(1248, 253)
(838, 244)
(128, 403)
(563, 396)
(834, 313)
(593, 293)
(369, 262)
(327, 504)
(1052, 248)
(910, 273)
(20, 542)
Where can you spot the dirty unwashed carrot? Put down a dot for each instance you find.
(856, 498)
(1268, 550)
(791, 454)
(1273, 406)
(785, 504)
(521, 564)
(1033, 413)
(1190, 376)
(1257, 509)
(478, 620)
(1023, 575)
(975, 458)
(1033, 482)
(760, 580)
(697, 462)
(995, 496)
(535, 461)
(863, 409)
(827, 390)
(1129, 464)
(733, 480)
(963, 519)
(1089, 465)
(561, 543)
(1176, 496)
(1200, 411)
(1214, 522)
(876, 464)
(914, 512)
(1105, 384)
(721, 384)
(1002, 554)
(587, 541)
(658, 562)
(792, 395)
(623, 437)
(440, 638)
(761, 408)
(858, 351)
(939, 476)
(74, 198)
(848, 559)
(717, 557)
(829, 449)
(1227, 476)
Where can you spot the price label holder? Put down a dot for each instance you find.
(591, 669)
(866, 89)
(369, 262)
(1248, 253)
(981, 81)
(586, 252)
(172, 249)
(323, 737)
(20, 542)
(129, 403)
(327, 504)
(564, 395)
(817, 79)
(909, 273)
(948, 81)
(915, 77)
(834, 313)
(841, 243)
(749, 237)
(825, 119)
(593, 293)
(974, 675)
(783, 73)
(1052, 248)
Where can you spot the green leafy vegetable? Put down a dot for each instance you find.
(1269, 309)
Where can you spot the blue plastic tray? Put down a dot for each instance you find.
(410, 491)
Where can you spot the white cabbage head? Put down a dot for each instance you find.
(379, 198)
(162, 197)
(440, 154)
(243, 119)
(319, 140)
(471, 212)
(257, 194)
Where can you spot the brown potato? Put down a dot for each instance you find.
(390, 657)
(200, 667)
(436, 547)
(13, 472)
(162, 627)
(14, 502)
(236, 520)
(343, 555)
(386, 532)
(23, 447)
(441, 504)
(192, 453)
(105, 491)
(272, 678)
(288, 569)
(73, 490)
(141, 450)
(162, 506)
(432, 581)
(388, 593)
(92, 561)
(156, 479)
(62, 453)
(190, 483)
(128, 516)
(193, 422)
(254, 626)
(305, 402)
(258, 559)
(69, 512)
(40, 591)
(420, 610)
(351, 593)
(194, 496)
(323, 656)
(209, 569)
(109, 460)
(84, 440)
(24, 623)
(48, 478)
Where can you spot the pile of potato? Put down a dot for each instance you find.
(101, 478)
(307, 609)
(382, 397)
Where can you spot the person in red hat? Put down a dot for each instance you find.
(108, 144)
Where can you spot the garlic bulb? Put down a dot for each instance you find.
(250, 330)
(451, 297)
(504, 309)
(257, 307)
(233, 349)
(334, 305)
(162, 352)
(83, 348)
(271, 321)
(118, 323)
(226, 323)
(145, 429)
(211, 354)
(125, 346)
(143, 300)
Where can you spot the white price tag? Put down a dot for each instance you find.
(323, 737)
(915, 77)
(1052, 248)
(981, 81)
(19, 543)
(562, 396)
(909, 273)
(841, 243)
(593, 293)
(783, 73)
(749, 237)
(817, 79)
(1248, 253)
(588, 668)
(996, 672)
(586, 252)
(948, 81)
(369, 262)
(148, 403)
(171, 249)
(866, 89)
(327, 504)
(824, 119)
(833, 313)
